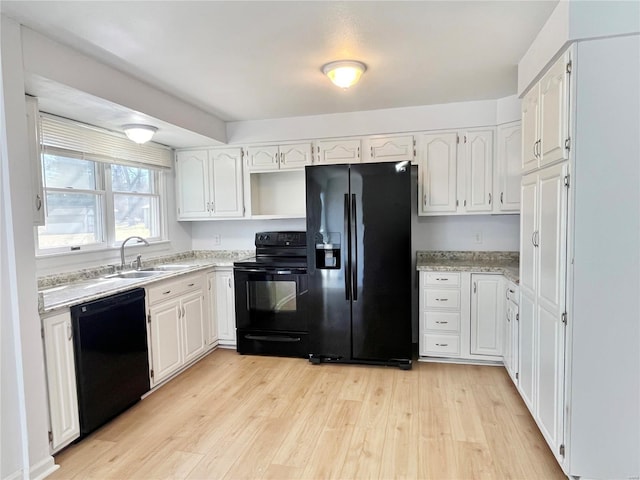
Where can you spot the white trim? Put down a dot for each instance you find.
(43, 468)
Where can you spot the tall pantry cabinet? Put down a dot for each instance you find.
(580, 257)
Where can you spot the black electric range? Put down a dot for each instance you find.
(271, 296)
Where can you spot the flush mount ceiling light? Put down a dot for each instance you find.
(344, 73)
(139, 133)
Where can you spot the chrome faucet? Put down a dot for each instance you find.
(140, 239)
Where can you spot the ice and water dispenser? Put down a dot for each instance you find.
(328, 250)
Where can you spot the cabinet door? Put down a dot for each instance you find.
(35, 160)
(437, 173)
(61, 379)
(530, 134)
(554, 107)
(193, 318)
(478, 171)
(225, 307)
(166, 339)
(526, 349)
(528, 228)
(550, 329)
(508, 175)
(192, 184)
(211, 315)
(338, 151)
(486, 315)
(295, 156)
(392, 149)
(263, 158)
(227, 182)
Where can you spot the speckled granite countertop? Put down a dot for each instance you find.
(68, 289)
(506, 263)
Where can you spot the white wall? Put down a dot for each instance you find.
(571, 21)
(237, 234)
(391, 120)
(54, 61)
(22, 280)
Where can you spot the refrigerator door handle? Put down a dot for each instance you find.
(354, 256)
(345, 253)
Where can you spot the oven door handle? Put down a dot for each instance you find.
(269, 271)
(272, 338)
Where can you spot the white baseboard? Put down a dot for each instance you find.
(43, 469)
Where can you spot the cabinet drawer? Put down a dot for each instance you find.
(448, 321)
(171, 288)
(441, 344)
(442, 279)
(447, 299)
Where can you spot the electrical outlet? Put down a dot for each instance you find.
(477, 237)
(215, 239)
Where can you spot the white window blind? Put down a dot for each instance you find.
(101, 145)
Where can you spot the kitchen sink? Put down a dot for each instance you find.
(134, 274)
(164, 268)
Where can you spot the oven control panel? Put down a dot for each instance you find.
(281, 239)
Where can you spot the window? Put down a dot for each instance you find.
(91, 204)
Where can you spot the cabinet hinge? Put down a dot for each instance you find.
(564, 318)
(517, 375)
(50, 436)
(569, 66)
(152, 373)
(517, 317)
(149, 318)
(561, 450)
(567, 179)
(42, 332)
(465, 139)
(457, 138)
(567, 144)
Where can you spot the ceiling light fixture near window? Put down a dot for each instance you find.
(139, 133)
(344, 73)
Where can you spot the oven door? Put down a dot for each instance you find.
(271, 300)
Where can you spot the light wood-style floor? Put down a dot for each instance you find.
(248, 417)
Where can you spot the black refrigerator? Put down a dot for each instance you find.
(359, 263)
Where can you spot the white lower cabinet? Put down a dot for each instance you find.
(461, 316)
(486, 314)
(211, 335)
(177, 314)
(61, 379)
(225, 307)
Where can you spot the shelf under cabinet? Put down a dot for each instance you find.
(277, 194)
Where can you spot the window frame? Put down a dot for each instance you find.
(105, 192)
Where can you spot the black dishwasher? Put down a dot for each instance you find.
(111, 356)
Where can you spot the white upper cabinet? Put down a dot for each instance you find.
(437, 167)
(226, 181)
(477, 164)
(545, 125)
(209, 184)
(338, 151)
(262, 158)
(508, 172)
(278, 157)
(35, 159)
(455, 172)
(391, 149)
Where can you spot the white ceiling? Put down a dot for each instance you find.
(259, 60)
